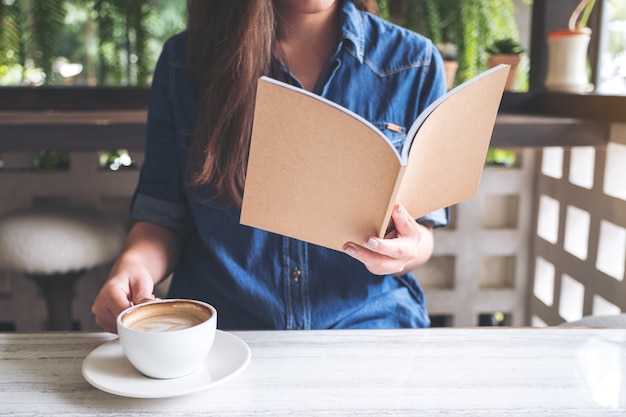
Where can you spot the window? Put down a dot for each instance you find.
(84, 42)
(612, 68)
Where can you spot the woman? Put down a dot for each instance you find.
(187, 203)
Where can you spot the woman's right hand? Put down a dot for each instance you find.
(129, 283)
(149, 256)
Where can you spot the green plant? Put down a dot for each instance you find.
(580, 16)
(115, 160)
(506, 46)
(123, 41)
(501, 157)
(116, 41)
(383, 8)
(28, 35)
(52, 160)
(470, 25)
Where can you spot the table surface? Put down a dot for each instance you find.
(454, 371)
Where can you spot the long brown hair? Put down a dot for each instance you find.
(229, 46)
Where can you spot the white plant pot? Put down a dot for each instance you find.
(567, 61)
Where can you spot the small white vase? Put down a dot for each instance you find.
(567, 61)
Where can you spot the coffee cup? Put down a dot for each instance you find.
(167, 338)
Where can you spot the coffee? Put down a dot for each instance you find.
(165, 317)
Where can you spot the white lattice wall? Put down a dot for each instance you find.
(580, 234)
(479, 266)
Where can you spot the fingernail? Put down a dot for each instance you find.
(399, 209)
(350, 250)
(145, 299)
(371, 243)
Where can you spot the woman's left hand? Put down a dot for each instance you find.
(407, 246)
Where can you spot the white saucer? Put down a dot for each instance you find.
(107, 368)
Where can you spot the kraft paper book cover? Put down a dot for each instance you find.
(322, 174)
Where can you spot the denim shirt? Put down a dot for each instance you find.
(261, 280)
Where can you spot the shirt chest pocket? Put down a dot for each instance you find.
(394, 132)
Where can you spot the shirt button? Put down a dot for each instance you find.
(295, 274)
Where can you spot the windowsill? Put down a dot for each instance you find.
(78, 130)
(73, 98)
(114, 118)
(522, 130)
(600, 108)
(557, 119)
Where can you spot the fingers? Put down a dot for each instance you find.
(108, 304)
(118, 294)
(404, 227)
(141, 291)
(405, 224)
(375, 262)
(402, 240)
(391, 254)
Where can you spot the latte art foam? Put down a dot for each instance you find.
(165, 324)
(165, 317)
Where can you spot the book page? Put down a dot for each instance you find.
(448, 150)
(315, 172)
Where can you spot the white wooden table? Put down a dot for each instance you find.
(468, 372)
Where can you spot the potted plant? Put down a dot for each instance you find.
(471, 26)
(505, 51)
(567, 53)
(448, 52)
(468, 25)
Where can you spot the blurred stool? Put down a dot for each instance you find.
(54, 247)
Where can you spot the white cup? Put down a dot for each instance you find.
(167, 338)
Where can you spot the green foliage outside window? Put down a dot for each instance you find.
(60, 160)
(116, 160)
(613, 57)
(506, 158)
(84, 42)
(116, 42)
(469, 25)
(52, 160)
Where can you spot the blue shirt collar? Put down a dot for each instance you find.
(352, 29)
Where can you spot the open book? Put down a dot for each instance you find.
(320, 173)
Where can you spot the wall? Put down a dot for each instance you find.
(579, 236)
(479, 266)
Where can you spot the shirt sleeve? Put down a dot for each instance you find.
(160, 197)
